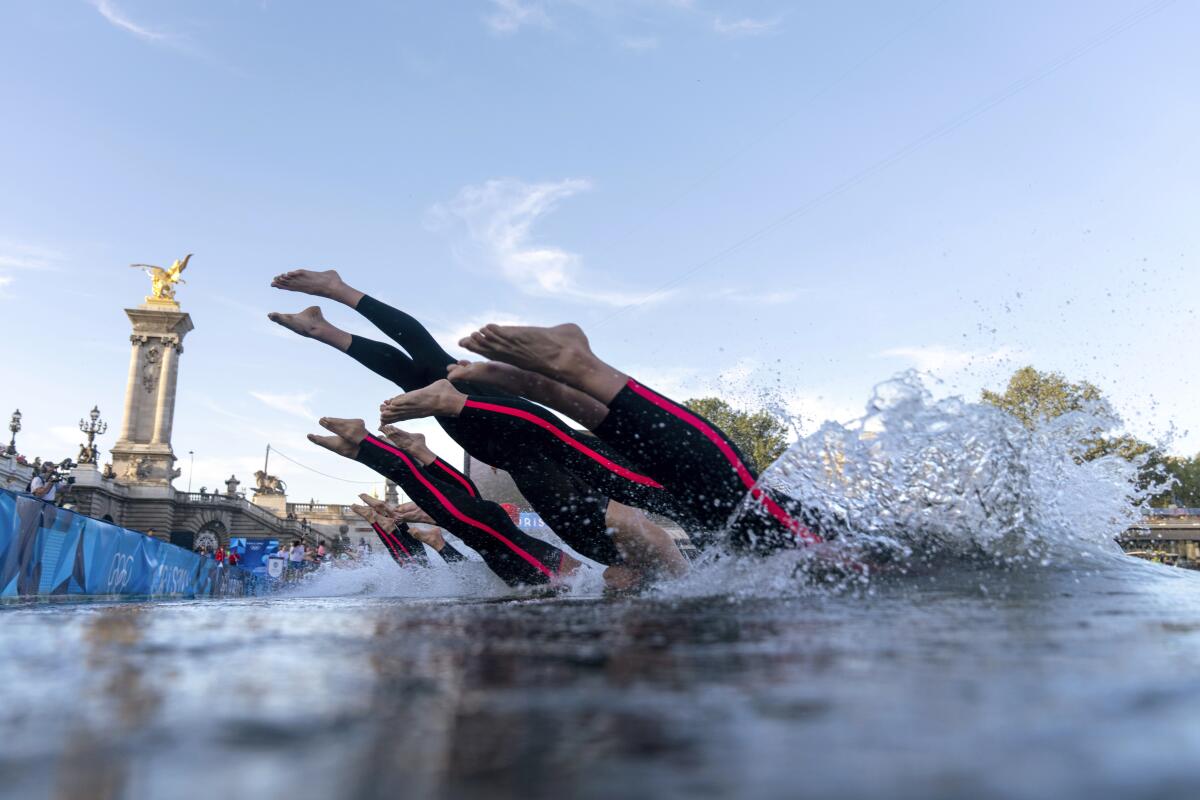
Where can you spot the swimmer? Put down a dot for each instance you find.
(516, 557)
(397, 540)
(575, 483)
(686, 453)
(380, 514)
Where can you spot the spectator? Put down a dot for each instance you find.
(364, 549)
(321, 551)
(296, 556)
(220, 555)
(44, 485)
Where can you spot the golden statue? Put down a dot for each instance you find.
(162, 281)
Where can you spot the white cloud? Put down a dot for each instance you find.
(294, 404)
(449, 337)
(117, 18)
(509, 16)
(745, 26)
(499, 216)
(941, 361)
(27, 257)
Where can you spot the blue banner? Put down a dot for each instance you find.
(47, 551)
(254, 553)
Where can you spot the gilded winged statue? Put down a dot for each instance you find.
(162, 281)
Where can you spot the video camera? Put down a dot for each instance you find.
(59, 473)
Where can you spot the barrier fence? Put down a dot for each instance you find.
(48, 551)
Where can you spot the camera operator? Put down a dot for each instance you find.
(45, 484)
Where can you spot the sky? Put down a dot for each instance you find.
(779, 203)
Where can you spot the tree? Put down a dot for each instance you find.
(760, 435)
(1035, 397)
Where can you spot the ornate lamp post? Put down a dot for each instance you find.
(93, 428)
(14, 425)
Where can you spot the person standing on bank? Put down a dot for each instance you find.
(44, 485)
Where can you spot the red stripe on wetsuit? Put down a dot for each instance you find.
(747, 478)
(457, 513)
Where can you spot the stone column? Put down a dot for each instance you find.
(164, 412)
(143, 455)
(135, 359)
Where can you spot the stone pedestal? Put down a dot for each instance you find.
(275, 503)
(143, 455)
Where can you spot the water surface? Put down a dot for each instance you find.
(967, 682)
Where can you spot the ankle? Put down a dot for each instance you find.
(346, 295)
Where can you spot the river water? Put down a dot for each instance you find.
(962, 681)
(1006, 649)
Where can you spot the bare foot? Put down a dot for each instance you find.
(438, 399)
(411, 443)
(352, 430)
(308, 323)
(560, 351)
(306, 281)
(374, 517)
(491, 373)
(430, 536)
(411, 512)
(335, 443)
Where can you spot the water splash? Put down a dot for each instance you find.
(919, 478)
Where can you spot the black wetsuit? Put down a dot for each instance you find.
(406, 550)
(515, 556)
(697, 463)
(567, 477)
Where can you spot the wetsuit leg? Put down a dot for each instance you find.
(450, 555)
(401, 546)
(526, 428)
(448, 472)
(694, 459)
(404, 330)
(512, 554)
(572, 504)
(575, 512)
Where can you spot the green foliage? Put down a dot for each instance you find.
(1036, 397)
(759, 435)
(1185, 491)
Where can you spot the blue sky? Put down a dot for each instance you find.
(774, 201)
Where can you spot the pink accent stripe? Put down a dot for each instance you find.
(391, 541)
(794, 525)
(474, 523)
(453, 473)
(607, 463)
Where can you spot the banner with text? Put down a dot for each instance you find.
(47, 551)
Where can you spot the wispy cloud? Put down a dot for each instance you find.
(119, 19)
(509, 16)
(745, 26)
(22, 256)
(499, 216)
(941, 360)
(294, 404)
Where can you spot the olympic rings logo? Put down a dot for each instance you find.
(120, 571)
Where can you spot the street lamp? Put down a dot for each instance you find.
(191, 464)
(93, 427)
(14, 425)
